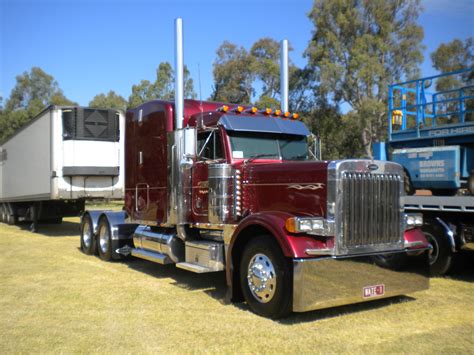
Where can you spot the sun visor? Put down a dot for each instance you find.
(265, 124)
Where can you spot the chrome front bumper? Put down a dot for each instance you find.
(335, 281)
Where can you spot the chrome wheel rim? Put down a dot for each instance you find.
(261, 278)
(104, 239)
(86, 234)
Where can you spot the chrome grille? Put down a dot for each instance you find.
(371, 213)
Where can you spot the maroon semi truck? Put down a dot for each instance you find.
(213, 187)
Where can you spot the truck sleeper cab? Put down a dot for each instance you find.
(236, 190)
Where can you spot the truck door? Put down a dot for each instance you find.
(210, 150)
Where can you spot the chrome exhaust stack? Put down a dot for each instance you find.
(182, 144)
(284, 75)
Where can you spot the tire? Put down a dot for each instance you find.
(104, 240)
(263, 259)
(57, 220)
(88, 241)
(2, 213)
(441, 257)
(407, 185)
(444, 192)
(396, 261)
(10, 219)
(470, 183)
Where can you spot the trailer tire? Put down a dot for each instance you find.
(444, 192)
(407, 184)
(470, 183)
(104, 239)
(88, 240)
(263, 265)
(441, 257)
(2, 212)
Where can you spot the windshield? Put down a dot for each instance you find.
(246, 145)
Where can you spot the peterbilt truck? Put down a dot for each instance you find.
(63, 157)
(215, 187)
(431, 134)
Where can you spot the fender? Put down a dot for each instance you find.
(449, 233)
(292, 245)
(118, 228)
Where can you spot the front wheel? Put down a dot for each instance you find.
(441, 256)
(265, 277)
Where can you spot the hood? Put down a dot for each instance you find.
(299, 188)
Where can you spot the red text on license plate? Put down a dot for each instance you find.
(373, 291)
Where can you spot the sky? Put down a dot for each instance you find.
(91, 47)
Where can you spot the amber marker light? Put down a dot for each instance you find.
(290, 225)
(277, 112)
(268, 111)
(295, 116)
(253, 110)
(223, 108)
(286, 114)
(239, 109)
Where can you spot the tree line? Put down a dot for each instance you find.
(357, 48)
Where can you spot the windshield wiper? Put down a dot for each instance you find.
(256, 156)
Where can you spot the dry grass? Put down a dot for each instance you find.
(54, 298)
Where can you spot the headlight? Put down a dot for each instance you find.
(413, 220)
(316, 225)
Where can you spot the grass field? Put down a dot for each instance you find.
(53, 298)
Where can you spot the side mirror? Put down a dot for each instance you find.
(314, 146)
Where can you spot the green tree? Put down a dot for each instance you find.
(358, 48)
(111, 100)
(233, 75)
(162, 88)
(452, 56)
(34, 90)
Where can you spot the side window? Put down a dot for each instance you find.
(210, 145)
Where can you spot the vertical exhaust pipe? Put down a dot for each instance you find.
(284, 75)
(179, 74)
(181, 149)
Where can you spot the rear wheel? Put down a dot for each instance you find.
(104, 240)
(88, 245)
(441, 256)
(265, 277)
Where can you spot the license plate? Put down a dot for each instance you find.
(373, 291)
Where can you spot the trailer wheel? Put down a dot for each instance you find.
(88, 242)
(470, 183)
(441, 257)
(265, 277)
(2, 212)
(104, 240)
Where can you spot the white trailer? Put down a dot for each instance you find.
(65, 155)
